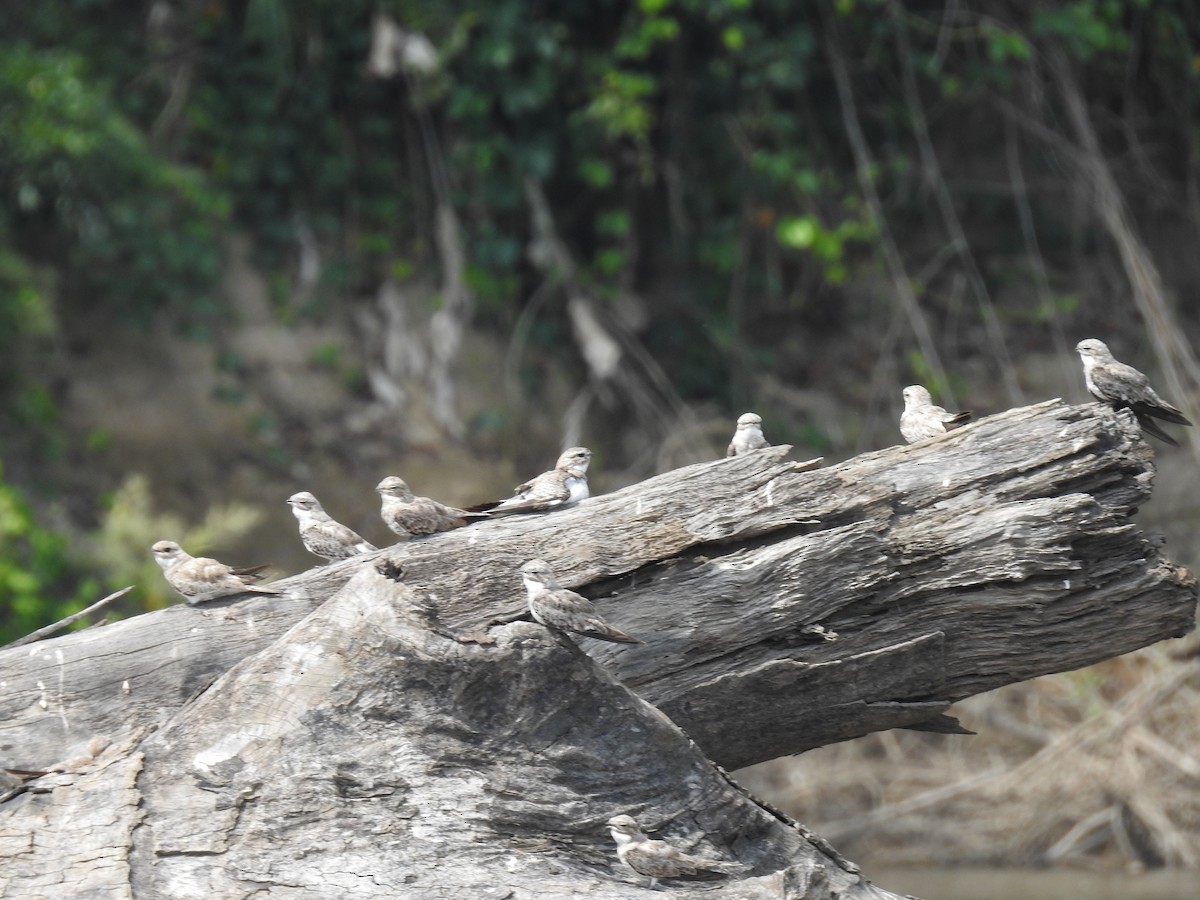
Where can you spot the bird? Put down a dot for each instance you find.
(658, 859)
(921, 419)
(748, 435)
(554, 606)
(563, 486)
(1124, 387)
(199, 578)
(322, 535)
(408, 515)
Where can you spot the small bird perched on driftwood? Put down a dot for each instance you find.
(748, 435)
(408, 515)
(199, 578)
(554, 606)
(322, 535)
(658, 859)
(563, 486)
(921, 419)
(1124, 387)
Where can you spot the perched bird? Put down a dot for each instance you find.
(747, 436)
(1124, 387)
(199, 578)
(556, 607)
(408, 515)
(921, 419)
(322, 535)
(564, 485)
(658, 859)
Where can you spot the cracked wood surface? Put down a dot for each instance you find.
(373, 738)
(821, 603)
(364, 754)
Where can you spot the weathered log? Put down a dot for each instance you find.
(997, 553)
(365, 754)
(783, 606)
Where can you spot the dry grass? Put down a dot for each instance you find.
(1095, 768)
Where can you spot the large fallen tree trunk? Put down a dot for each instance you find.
(392, 739)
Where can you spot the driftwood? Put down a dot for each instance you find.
(375, 736)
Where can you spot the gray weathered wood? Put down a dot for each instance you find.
(377, 738)
(996, 553)
(363, 754)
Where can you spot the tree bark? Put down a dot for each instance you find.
(386, 738)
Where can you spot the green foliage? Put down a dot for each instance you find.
(1087, 27)
(120, 549)
(42, 572)
(694, 152)
(827, 244)
(695, 144)
(39, 582)
(92, 197)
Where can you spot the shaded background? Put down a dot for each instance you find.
(250, 248)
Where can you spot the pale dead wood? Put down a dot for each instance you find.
(390, 739)
(365, 755)
(945, 568)
(67, 621)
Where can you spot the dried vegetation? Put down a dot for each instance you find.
(1095, 768)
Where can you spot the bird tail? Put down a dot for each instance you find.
(1152, 428)
(961, 418)
(729, 868)
(254, 573)
(703, 869)
(1163, 411)
(612, 635)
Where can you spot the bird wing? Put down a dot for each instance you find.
(202, 578)
(655, 859)
(211, 571)
(658, 859)
(1124, 385)
(566, 609)
(1119, 383)
(251, 573)
(333, 540)
(426, 516)
(544, 492)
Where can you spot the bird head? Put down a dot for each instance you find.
(167, 553)
(394, 486)
(624, 827)
(746, 420)
(303, 501)
(915, 395)
(1093, 349)
(536, 573)
(575, 460)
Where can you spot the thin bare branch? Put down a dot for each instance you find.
(48, 630)
(864, 164)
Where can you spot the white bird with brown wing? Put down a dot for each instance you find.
(564, 485)
(199, 578)
(1123, 387)
(409, 515)
(321, 534)
(921, 419)
(556, 607)
(658, 859)
(747, 436)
